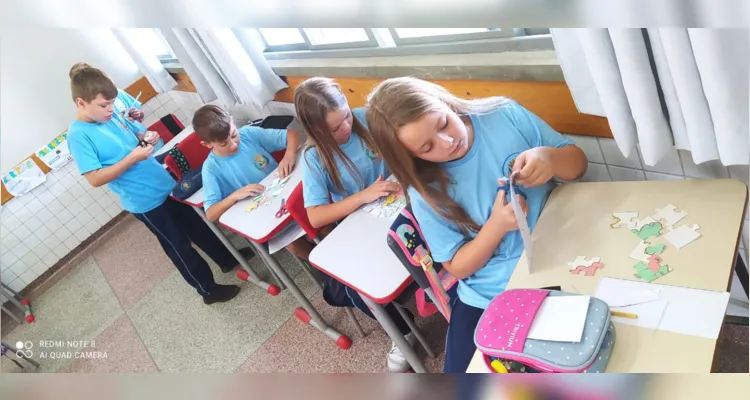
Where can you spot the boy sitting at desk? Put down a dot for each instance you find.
(239, 159)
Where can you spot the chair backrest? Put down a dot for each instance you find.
(189, 154)
(167, 127)
(295, 203)
(408, 244)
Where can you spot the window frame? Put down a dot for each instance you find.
(493, 33)
(309, 46)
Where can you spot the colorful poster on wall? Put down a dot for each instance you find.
(56, 153)
(23, 178)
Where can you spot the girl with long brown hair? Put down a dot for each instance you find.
(451, 155)
(340, 161)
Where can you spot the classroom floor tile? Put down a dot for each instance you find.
(134, 272)
(297, 347)
(185, 335)
(77, 308)
(124, 350)
(732, 349)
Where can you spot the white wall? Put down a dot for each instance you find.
(34, 65)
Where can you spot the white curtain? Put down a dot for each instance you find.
(663, 88)
(149, 65)
(225, 66)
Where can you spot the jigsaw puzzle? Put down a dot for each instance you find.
(627, 219)
(269, 194)
(668, 215)
(652, 269)
(387, 207)
(647, 228)
(639, 253)
(587, 270)
(683, 235)
(582, 261)
(657, 248)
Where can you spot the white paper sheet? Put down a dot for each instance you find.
(287, 235)
(56, 153)
(23, 178)
(560, 319)
(523, 226)
(670, 308)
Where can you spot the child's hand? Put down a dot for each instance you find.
(141, 153)
(286, 166)
(252, 189)
(533, 167)
(151, 137)
(378, 189)
(134, 114)
(502, 212)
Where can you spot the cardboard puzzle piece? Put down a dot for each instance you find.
(683, 235)
(668, 215)
(627, 219)
(657, 248)
(639, 253)
(582, 261)
(651, 270)
(648, 230)
(588, 271)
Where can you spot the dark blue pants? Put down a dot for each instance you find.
(176, 225)
(459, 344)
(337, 294)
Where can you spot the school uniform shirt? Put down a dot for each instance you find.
(251, 163)
(499, 137)
(123, 103)
(316, 183)
(142, 187)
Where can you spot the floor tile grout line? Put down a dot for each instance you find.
(125, 311)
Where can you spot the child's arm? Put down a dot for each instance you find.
(475, 253)
(540, 164)
(102, 176)
(290, 157)
(216, 210)
(323, 215)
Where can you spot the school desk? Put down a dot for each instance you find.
(177, 139)
(261, 225)
(356, 253)
(576, 222)
(196, 201)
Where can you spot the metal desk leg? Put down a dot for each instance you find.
(251, 277)
(349, 311)
(307, 313)
(422, 340)
(392, 330)
(14, 316)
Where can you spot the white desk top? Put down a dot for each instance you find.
(177, 139)
(357, 254)
(196, 200)
(261, 224)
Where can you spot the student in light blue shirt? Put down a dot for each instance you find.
(340, 159)
(107, 152)
(450, 154)
(239, 160)
(127, 107)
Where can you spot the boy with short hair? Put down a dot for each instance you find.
(107, 152)
(239, 159)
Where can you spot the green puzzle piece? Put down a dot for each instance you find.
(647, 274)
(648, 230)
(656, 249)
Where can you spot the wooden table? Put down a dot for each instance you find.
(576, 222)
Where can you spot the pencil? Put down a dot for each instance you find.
(623, 314)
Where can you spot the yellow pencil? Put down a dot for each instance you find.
(623, 314)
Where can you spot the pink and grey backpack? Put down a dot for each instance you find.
(408, 244)
(503, 328)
